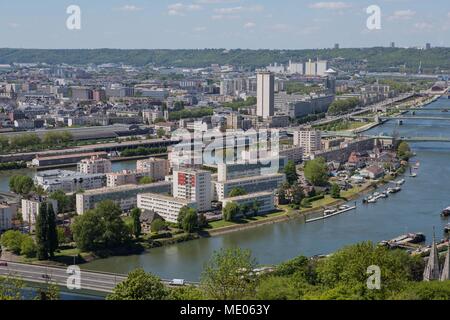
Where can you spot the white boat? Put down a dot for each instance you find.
(413, 175)
(390, 190)
(328, 212)
(373, 200)
(376, 194)
(400, 182)
(343, 207)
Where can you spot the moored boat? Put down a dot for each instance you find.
(446, 212)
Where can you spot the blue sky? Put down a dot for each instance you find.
(172, 24)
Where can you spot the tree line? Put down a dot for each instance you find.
(231, 274)
(376, 59)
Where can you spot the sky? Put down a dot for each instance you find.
(231, 24)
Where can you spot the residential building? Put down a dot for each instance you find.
(193, 185)
(156, 168)
(265, 202)
(6, 216)
(165, 206)
(125, 196)
(30, 208)
(265, 94)
(249, 184)
(310, 140)
(94, 165)
(69, 181)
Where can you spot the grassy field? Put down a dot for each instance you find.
(223, 224)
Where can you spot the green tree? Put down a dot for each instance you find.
(335, 191)
(62, 238)
(28, 247)
(433, 290)
(52, 232)
(10, 288)
(236, 192)
(229, 275)
(158, 225)
(186, 293)
(146, 180)
(347, 269)
(136, 216)
(12, 240)
(297, 194)
(404, 151)
(231, 211)
(160, 133)
(21, 184)
(65, 202)
(140, 285)
(42, 233)
(188, 219)
(101, 228)
(291, 172)
(283, 192)
(316, 172)
(276, 288)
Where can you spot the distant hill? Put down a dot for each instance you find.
(379, 59)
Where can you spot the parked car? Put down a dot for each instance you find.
(3, 264)
(46, 276)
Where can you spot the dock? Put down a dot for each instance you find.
(331, 215)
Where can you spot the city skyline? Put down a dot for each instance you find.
(247, 24)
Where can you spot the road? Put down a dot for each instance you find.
(100, 282)
(378, 105)
(89, 280)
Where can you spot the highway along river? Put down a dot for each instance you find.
(416, 209)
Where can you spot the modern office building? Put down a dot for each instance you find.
(69, 181)
(309, 140)
(94, 165)
(265, 94)
(125, 196)
(193, 185)
(166, 206)
(249, 184)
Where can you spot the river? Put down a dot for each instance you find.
(416, 209)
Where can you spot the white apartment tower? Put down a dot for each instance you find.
(193, 185)
(94, 165)
(265, 94)
(309, 140)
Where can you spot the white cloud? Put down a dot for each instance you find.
(13, 25)
(330, 5)
(249, 25)
(179, 9)
(199, 29)
(402, 15)
(129, 8)
(239, 9)
(423, 26)
(216, 1)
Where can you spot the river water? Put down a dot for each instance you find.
(416, 209)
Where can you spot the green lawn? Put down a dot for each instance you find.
(222, 223)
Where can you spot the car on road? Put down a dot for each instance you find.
(3, 264)
(177, 282)
(46, 276)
